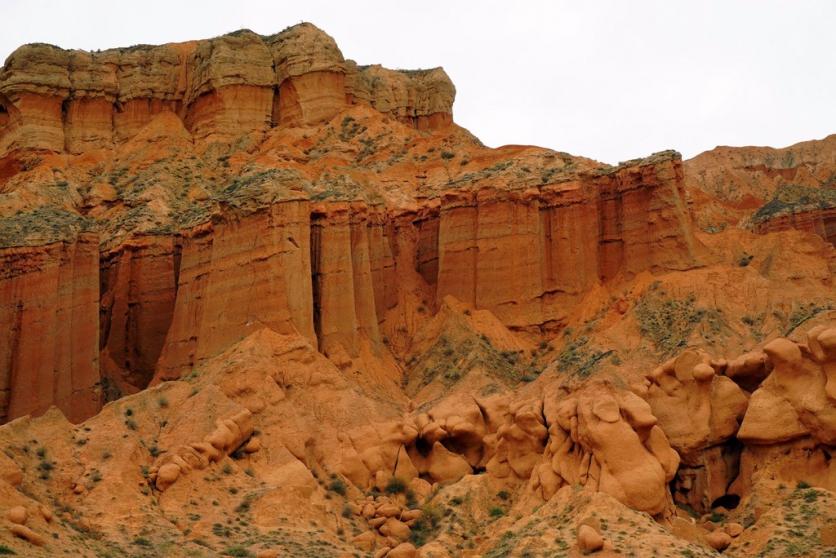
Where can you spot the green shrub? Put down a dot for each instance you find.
(426, 526)
(802, 314)
(337, 485)
(395, 486)
(244, 506)
(496, 511)
(668, 321)
(576, 358)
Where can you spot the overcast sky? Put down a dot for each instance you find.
(611, 80)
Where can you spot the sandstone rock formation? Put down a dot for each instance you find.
(264, 301)
(608, 441)
(240, 83)
(768, 189)
(793, 413)
(50, 309)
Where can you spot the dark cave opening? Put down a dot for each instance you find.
(728, 501)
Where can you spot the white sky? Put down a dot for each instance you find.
(611, 80)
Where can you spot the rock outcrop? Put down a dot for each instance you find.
(609, 441)
(511, 252)
(229, 435)
(790, 425)
(700, 410)
(767, 189)
(49, 351)
(221, 88)
(237, 277)
(260, 300)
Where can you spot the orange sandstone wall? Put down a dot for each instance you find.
(335, 272)
(821, 222)
(527, 255)
(138, 286)
(50, 356)
(221, 88)
(236, 277)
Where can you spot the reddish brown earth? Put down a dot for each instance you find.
(261, 300)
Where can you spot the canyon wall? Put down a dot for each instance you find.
(527, 256)
(138, 288)
(49, 352)
(238, 276)
(222, 88)
(329, 271)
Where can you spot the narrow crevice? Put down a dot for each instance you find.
(316, 251)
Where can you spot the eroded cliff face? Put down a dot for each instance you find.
(49, 309)
(766, 189)
(221, 88)
(138, 284)
(260, 281)
(236, 277)
(529, 255)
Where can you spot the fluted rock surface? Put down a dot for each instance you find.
(237, 277)
(49, 309)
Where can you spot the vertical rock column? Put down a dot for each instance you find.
(382, 264)
(569, 248)
(644, 222)
(237, 277)
(363, 278)
(457, 247)
(50, 297)
(333, 280)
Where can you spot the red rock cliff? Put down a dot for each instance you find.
(222, 88)
(49, 310)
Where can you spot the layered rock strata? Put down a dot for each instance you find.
(49, 308)
(221, 88)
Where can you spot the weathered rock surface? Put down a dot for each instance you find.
(767, 189)
(222, 88)
(49, 351)
(609, 441)
(263, 301)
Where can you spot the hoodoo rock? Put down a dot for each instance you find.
(260, 300)
(609, 441)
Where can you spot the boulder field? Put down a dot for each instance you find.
(260, 300)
